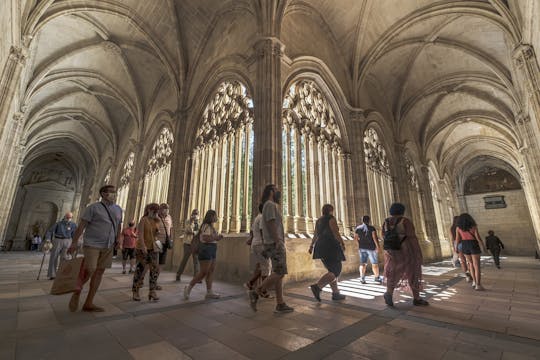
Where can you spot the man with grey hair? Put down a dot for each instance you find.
(101, 224)
(60, 235)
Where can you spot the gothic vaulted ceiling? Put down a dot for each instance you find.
(439, 72)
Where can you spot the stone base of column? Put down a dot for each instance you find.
(235, 224)
(428, 250)
(300, 225)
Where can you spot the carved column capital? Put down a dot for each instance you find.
(522, 118)
(18, 117)
(269, 46)
(18, 54)
(522, 53)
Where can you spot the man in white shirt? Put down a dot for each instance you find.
(262, 264)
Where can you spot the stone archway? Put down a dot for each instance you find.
(42, 217)
(495, 198)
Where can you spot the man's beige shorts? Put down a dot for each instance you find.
(97, 258)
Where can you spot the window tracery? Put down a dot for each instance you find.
(375, 153)
(313, 158)
(158, 169)
(125, 179)
(222, 159)
(378, 176)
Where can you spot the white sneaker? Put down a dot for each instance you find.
(212, 295)
(473, 284)
(187, 290)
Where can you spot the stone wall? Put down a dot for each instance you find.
(233, 260)
(512, 224)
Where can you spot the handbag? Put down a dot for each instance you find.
(69, 277)
(195, 243)
(168, 242)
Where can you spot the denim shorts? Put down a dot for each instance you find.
(207, 251)
(368, 254)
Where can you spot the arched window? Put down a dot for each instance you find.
(123, 189)
(107, 178)
(222, 159)
(158, 169)
(313, 165)
(417, 209)
(378, 176)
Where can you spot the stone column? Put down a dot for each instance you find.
(268, 107)
(12, 157)
(360, 191)
(401, 183)
(135, 188)
(527, 66)
(9, 82)
(432, 243)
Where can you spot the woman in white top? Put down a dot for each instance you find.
(208, 237)
(262, 264)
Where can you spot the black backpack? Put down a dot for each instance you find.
(392, 239)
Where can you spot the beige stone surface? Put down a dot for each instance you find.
(358, 103)
(459, 322)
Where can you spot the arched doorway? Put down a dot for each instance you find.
(495, 198)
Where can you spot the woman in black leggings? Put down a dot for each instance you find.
(328, 246)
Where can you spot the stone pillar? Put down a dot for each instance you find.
(401, 183)
(529, 70)
(12, 154)
(9, 82)
(135, 188)
(268, 107)
(432, 244)
(360, 191)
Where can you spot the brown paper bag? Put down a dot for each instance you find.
(68, 276)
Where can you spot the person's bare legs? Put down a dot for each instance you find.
(470, 267)
(375, 268)
(94, 285)
(210, 276)
(476, 266)
(276, 281)
(328, 278)
(203, 272)
(362, 269)
(256, 275)
(463, 262)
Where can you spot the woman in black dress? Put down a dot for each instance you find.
(328, 246)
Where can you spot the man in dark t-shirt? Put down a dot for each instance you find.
(494, 244)
(368, 248)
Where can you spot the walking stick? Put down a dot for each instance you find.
(41, 267)
(46, 248)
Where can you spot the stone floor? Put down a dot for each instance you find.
(460, 323)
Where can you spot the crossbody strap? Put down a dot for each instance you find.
(110, 218)
(165, 227)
